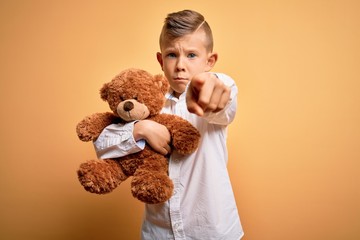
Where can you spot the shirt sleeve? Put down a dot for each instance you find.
(227, 115)
(117, 140)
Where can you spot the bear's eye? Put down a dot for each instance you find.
(122, 98)
(135, 98)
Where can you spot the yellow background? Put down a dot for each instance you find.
(294, 147)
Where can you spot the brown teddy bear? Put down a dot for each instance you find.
(132, 95)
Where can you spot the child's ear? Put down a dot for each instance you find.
(212, 58)
(159, 58)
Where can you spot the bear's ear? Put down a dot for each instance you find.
(104, 91)
(162, 82)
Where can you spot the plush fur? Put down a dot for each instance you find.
(135, 94)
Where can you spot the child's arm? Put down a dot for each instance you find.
(155, 134)
(118, 140)
(212, 97)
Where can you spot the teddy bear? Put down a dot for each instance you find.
(135, 94)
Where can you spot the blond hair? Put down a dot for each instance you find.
(179, 24)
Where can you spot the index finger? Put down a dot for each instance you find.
(205, 94)
(192, 102)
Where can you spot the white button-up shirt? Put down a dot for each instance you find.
(202, 205)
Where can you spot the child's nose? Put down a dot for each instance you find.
(180, 66)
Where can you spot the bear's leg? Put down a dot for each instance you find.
(100, 176)
(151, 183)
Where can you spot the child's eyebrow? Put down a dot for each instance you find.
(169, 49)
(176, 50)
(190, 49)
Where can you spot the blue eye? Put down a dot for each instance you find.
(191, 55)
(171, 55)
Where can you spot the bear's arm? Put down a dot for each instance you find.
(184, 136)
(91, 126)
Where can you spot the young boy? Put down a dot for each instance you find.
(203, 204)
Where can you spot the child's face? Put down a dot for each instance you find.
(183, 58)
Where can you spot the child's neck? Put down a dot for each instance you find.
(176, 94)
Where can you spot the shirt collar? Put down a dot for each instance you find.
(170, 96)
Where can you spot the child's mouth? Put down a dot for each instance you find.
(180, 79)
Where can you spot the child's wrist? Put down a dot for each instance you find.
(138, 133)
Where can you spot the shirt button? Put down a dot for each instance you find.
(177, 226)
(125, 137)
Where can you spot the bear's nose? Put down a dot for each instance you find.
(128, 106)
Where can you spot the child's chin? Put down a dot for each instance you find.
(179, 89)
